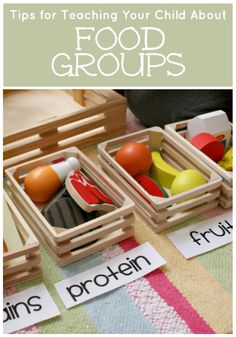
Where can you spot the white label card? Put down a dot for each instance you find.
(28, 307)
(204, 236)
(109, 275)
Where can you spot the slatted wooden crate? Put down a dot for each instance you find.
(22, 264)
(69, 245)
(179, 132)
(162, 213)
(39, 122)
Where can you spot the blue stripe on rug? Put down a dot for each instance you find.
(114, 312)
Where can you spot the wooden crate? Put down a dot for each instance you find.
(39, 122)
(67, 245)
(17, 270)
(162, 213)
(179, 132)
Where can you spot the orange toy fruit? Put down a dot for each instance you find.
(42, 183)
(135, 158)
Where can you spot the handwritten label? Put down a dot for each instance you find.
(204, 236)
(109, 275)
(27, 308)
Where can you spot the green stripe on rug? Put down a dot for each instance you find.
(74, 320)
(219, 263)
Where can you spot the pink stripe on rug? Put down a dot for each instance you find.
(154, 308)
(172, 296)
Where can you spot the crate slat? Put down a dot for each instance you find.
(15, 271)
(26, 265)
(11, 280)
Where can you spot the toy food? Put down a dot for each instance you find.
(151, 186)
(135, 158)
(215, 123)
(209, 145)
(186, 180)
(5, 249)
(86, 194)
(227, 161)
(161, 171)
(42, 183)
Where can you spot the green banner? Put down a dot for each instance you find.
(117, 45)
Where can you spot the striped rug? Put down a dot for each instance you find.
(183, 297)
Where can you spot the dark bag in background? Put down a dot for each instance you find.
(161, 107)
